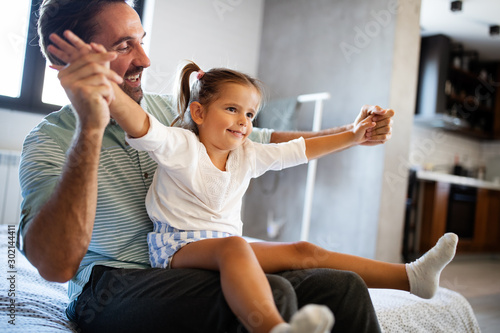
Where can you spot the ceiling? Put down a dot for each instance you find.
(470, 27)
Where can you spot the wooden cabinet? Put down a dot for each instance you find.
(434, 210)
(454, 96)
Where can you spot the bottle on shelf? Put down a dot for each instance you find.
(457, 167)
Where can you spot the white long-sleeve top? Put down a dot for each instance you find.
(189, 193)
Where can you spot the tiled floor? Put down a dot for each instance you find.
(477, 277)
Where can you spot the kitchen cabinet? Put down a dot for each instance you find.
(456, 91)
(435, 197)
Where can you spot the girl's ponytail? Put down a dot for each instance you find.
(206, 89)
(183, 91)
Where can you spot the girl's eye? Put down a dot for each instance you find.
(232, 109)
(250, 115)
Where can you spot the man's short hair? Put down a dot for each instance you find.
(56, 16)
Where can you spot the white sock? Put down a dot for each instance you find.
(312, 318)
(281, 328)
(423, 274)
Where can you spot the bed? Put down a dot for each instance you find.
(39, 305)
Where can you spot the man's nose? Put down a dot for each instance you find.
(140, 58)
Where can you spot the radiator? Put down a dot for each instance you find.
(10, 191)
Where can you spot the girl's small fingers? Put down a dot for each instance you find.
(57, 67)
(60, 43)
(116, 78)
(368, 122)
(76, 41)
(80, 72)
(68, 52)
(98, 48)
(98, 83)
(61, 55)
(94, 61)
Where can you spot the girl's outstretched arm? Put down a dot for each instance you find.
(128, 114)
(322, 145)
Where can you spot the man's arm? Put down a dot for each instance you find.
(58, 236)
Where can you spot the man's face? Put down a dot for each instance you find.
(120, 30)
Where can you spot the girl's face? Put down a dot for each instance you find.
(227, 121)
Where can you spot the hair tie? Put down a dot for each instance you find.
(200, 74)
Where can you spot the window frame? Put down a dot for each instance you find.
(30, 98)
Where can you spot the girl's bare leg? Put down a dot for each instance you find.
(251, 298)
(246, 288)
(275, 257)
(420, 277)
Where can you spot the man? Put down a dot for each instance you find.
(83, 215)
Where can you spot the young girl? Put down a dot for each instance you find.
(195, 200)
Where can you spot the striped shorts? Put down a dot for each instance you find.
(164, 244)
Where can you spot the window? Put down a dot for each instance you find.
(14, 23)
(30, 85)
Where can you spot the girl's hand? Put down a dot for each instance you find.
(360, 130)
(87, 78)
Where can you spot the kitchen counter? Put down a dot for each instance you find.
(458, 180)
(439, 209)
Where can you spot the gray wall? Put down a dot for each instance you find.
(346, 48)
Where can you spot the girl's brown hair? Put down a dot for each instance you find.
(205, 89)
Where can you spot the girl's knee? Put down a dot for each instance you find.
(235, 242)
(234, 245)
(304, 248)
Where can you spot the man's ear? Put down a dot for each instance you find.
(197, 112)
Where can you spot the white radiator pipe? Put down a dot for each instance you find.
(10, 191)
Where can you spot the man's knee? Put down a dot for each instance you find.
(348, 282)
(284, 295)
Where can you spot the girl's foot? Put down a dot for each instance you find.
(311, 318)
(423, 274)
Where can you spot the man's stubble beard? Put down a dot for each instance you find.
(135, 93)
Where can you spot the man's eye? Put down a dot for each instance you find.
(123, 49)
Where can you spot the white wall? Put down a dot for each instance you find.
(14, 126)
(361, 52)
(212, 33)
(436, 149)
(403, 95)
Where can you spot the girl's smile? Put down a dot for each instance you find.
(226, 123)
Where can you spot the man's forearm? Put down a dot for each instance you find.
(59, 235)
(277, 137)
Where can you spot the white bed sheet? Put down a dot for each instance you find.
(40, 305)
(400, 311)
